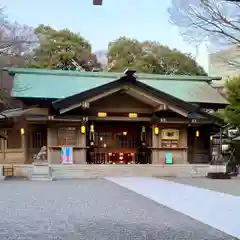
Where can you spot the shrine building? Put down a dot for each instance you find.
(109, 118)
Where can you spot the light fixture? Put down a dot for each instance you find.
(197, 133)
(211, 138)
(125, 133)
(22, 131)
(92, 128)
(156, 130)
(102, 114)
(101, 138)
(133, 115)
(104, 145)
(83, 129)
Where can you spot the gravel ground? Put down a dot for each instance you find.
(90, 209)
(229, 186)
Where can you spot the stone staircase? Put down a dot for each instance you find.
(135, 170)
(41, 172)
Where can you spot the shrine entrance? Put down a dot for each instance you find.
(119, 143)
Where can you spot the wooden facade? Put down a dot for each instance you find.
(120, 122)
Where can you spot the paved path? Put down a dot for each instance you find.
(229, 186)
(216, 209)
(92, 210)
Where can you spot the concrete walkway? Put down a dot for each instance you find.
(91, 209)
(228, 186)
(218, 210)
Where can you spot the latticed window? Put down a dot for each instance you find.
(14, 139)
(67, 136)
(113, 140)
(37, 138)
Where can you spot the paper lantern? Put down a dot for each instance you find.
(156, 130)
(22, 131)
(197, 134)
(102, 114)
(133, 115)
(83, 129)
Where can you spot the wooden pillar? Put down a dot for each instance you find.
(23, 132)
(50, 143)
(156, 143)
(80, 152)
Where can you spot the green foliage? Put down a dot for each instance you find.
(57, 49)
(232, 112)
(150, 57)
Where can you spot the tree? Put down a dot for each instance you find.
(232, 112)
(15, 39)
(63, 49)
(150, 57)
(215, 21)
(16, 43)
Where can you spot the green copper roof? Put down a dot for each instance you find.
(44, 83)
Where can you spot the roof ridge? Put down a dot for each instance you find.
(145, 76)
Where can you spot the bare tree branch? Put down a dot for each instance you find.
(215, 21)
(17, 43)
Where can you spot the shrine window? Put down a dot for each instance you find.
(113, 140)
(37, 138)
(67, 136)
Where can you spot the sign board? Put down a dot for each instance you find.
(170, 134)
(66, 156)
(168, 158)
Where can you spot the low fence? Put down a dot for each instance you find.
(133, 170)
(144, 157)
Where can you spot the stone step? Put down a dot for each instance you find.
(101, 171)
(41, 173)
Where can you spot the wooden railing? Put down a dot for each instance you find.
(143, 157)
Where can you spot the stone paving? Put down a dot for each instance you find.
(229, 186)
(92, 209)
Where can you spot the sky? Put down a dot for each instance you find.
(102, 24)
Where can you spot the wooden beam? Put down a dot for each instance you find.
(158, 102)
(95, 98)
(162, 107)
(121, 110)
(122, 119)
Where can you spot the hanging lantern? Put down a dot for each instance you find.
(197, 133)
(83, 129)
(22, 131)
(132, 115)
(156, 130)
(102, 114)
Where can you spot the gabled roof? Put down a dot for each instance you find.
(126, 81)
(58, 84)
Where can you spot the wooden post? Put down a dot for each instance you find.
(24, 141)
(155, 146)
